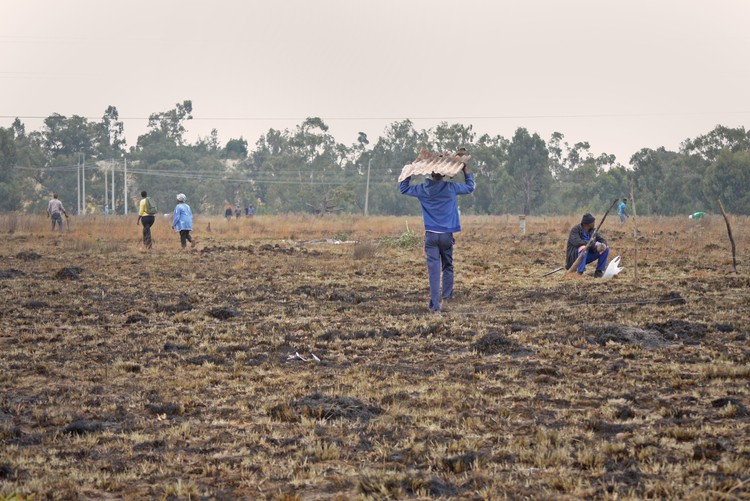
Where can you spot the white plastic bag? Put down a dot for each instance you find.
(613, 269)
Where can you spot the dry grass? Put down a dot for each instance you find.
(175, 375)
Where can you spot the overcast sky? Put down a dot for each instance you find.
(621, 75)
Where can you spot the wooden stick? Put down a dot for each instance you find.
(731, 238)
(635, 235)
(592, 240)
(553, 271)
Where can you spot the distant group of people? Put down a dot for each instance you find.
(182, 219)
(237, 211)
(441, 219)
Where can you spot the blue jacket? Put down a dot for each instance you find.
(438, 200)
(183, 217)
(622, 209)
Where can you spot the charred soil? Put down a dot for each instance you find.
(264, 366)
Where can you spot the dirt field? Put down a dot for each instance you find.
(128, 374)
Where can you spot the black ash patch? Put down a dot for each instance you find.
(320, 406)
(689, 333)
(494, 343)
(621, 334)
(11, 274)
(28, 256)
(69, 273)
(224, 313)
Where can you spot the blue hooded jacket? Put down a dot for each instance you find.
(438, 200)
(183, 217)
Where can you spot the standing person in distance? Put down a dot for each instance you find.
(441, 221)
(146, 217)
(622, 210)
(55, 211)
(182, 221)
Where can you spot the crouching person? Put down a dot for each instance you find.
(579, 237)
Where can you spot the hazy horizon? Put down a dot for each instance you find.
(620, 76)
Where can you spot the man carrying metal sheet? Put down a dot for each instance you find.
(441, 221)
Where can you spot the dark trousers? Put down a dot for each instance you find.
(147, 222)
(591, 256)
(439, 250)
(56, 219)
(185, 238)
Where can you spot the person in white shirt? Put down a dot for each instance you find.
(55, 210)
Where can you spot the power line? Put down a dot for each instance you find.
(284, 177)
(381, 118)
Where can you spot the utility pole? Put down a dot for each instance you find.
(113, 188)
(367, 186)
(78, 184)
(83, 183)
(125, 185)
(106, 194)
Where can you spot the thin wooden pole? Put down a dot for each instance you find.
(635, 235)
(731, 238)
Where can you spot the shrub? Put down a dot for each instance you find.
(406, 240)
(364, 250)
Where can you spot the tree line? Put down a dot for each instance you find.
(305, 169)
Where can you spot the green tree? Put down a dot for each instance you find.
(19, 129)
(108, 137)
(528, 166)
(236, 149)
(565, 158)
(399, 146)
(67, 136)
(709, 146)
(727, 179)
(651, 172)
(168, 125)
(9, 196)
(494, 193)
(447, 138)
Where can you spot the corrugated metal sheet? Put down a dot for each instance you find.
(446, 164)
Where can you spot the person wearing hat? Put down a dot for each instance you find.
(183, 221)
(579, 237)
(441, 221)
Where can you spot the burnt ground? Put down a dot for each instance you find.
(276, 368)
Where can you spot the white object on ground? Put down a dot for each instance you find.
(613, 269)
(297, 356)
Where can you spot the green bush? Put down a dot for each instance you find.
(406, 240)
